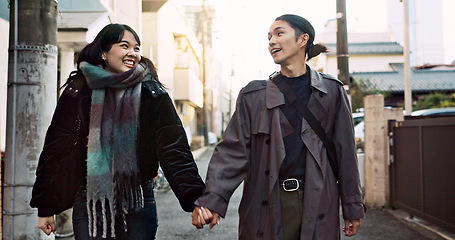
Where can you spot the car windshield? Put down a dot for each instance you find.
(357, 118)
(357, 121)
(434, 111)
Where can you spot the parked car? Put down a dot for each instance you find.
(434, 111)
(357, 117)
(359, 130)
(359, 123)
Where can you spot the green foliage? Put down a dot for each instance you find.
(361, 88)
(436, 100)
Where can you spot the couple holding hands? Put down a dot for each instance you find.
(115, 124)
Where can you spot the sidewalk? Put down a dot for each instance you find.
(197, 154)
(389, 224)
(424, 227)
(378, 224)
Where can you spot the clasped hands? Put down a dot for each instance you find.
(202, 216)
(47, 225)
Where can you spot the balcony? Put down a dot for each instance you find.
(152, 5)
(187, 86)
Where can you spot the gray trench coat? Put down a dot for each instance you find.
(252, 151)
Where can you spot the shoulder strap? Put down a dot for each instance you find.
(303, 111)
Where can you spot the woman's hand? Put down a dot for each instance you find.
(202, 216)
(47, 224)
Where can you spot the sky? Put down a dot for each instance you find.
(241, 27)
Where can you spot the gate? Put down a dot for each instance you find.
(422, 169)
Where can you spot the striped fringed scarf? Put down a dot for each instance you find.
(113, 184)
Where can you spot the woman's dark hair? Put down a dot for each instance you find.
(302, 26)
(108, 36)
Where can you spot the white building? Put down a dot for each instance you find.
(167, 38)
(177, 54)
(80, 21)
(426, 29)
(367, 51)
(172, 38)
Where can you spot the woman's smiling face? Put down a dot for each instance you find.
(123, 55)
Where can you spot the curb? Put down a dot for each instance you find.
(422, 224)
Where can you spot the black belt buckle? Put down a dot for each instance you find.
(291, 184)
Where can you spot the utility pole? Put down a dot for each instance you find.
(204, 73)
(342, 44)
(32, 91)
(407, 57)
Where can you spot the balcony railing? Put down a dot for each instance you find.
(188, 86)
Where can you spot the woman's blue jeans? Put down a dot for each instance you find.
(142, 225)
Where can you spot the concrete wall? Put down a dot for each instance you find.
(377, 149)
(129, 13)
(149, 35)
(125, 12)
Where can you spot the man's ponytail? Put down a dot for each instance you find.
(315, 49)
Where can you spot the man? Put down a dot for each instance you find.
(290, 188)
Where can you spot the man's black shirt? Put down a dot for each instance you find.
(293, 165)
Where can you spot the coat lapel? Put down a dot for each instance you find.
(280, 128)
(309, 137)
(275, 98)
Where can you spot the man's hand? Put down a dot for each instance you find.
(47, 224)
(202, 216)
(351, 227)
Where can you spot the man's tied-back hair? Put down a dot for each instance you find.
(301, 26)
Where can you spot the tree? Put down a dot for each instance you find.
(361, 88)
(436, 100)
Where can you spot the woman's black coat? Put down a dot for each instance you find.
(62, 164)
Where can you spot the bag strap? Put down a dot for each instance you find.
(305, 112)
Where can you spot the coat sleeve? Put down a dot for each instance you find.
(349, 180)
(61, 162)
(174, 155)
(228, 166)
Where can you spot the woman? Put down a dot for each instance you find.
(112, 125)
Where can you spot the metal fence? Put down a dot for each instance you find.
(422, 169)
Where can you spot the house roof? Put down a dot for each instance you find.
(422, 80)
(369, 48)
(72, 13)
(4, 10)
